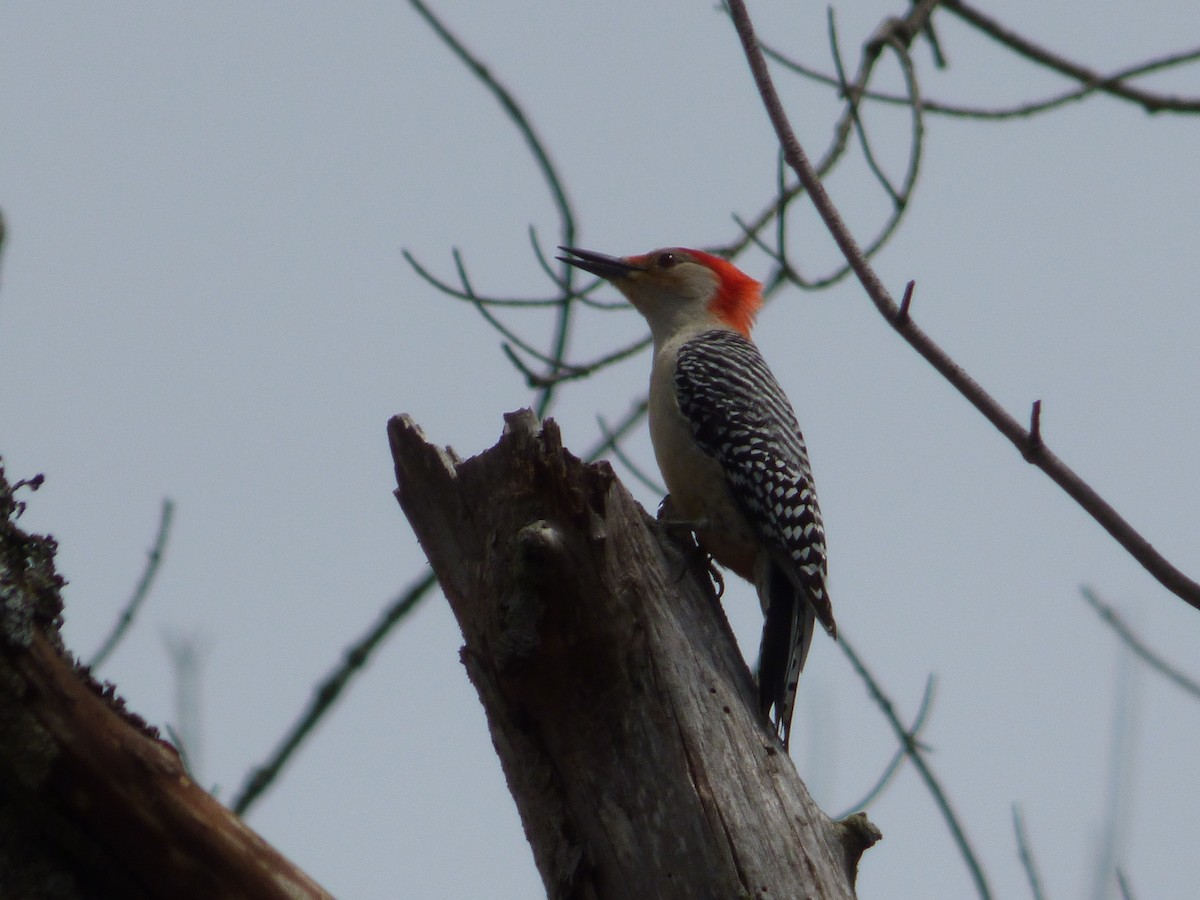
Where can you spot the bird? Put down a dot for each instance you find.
(729, 448)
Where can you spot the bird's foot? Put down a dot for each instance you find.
(684, 531)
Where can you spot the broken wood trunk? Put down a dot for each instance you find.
(626, 720)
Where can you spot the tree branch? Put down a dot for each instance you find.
(562, 327)
(1020, 110)
(153, 562)
(1148, 100)
(915, 752)
(1110, 616)
(1028, 863)
(625, 719)
(1034, 452)
(326, 693)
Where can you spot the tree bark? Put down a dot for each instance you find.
(626, 721)
(92, 803)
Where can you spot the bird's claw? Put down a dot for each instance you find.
(684, 530)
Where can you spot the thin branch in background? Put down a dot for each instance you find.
(557, 369)
(935, 45)
(632, 419)
(833, 154)
(1155, 660)
(885, 40)
(886, 36)
(560, 369)
(1016, 111)
(1112, 841)
(553, 364)
(577, 370)
(778, 211)
(1026, 853)
(153, 563)
(1148, 100)
(327, 692)
(634, 469)
(916, 753)
(893, 767)
(451, 291)
(582, 295)
(532, 378)
(1041, 456)
(852, 99)
(898, 33)
(187, 654)
(786, 269)
(549, 173)
(556, 366)
(1124, 886)
(784, 272)
(181, 748)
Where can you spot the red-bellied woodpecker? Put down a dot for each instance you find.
(729, 447)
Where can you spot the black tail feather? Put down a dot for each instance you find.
(790, 621)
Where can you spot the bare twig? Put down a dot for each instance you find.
(554, 366)
(558, 370)
(852, 99)
(1148, 100)
(916, 753)
(153, 563)
(327, 692)
(451, 291)
(570, 372)
(836, 150)
(187, 652)
(893, 767)
(887, 38)
(1041, 456)
(181, 748)
(1021, 110)
(634, 469)
(631, 420)
(1110, 841)
(1138, 646)
(562, 326)
(1124, 886)
(1035, 425)
(906, 301)
(1027, 861)
(563, 285)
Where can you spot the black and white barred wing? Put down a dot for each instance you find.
(740, 416)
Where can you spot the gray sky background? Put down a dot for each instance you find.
(203, 297)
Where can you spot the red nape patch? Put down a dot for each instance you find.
(739, 297)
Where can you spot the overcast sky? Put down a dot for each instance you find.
(202, 297)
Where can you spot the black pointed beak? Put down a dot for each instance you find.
(609, 268)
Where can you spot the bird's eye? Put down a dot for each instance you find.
(666, 260)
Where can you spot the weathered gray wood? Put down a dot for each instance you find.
(624, 716)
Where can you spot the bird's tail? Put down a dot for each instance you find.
(787, 634)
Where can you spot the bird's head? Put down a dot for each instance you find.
(677, 289)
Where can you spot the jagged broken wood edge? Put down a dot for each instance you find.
(622, 711)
